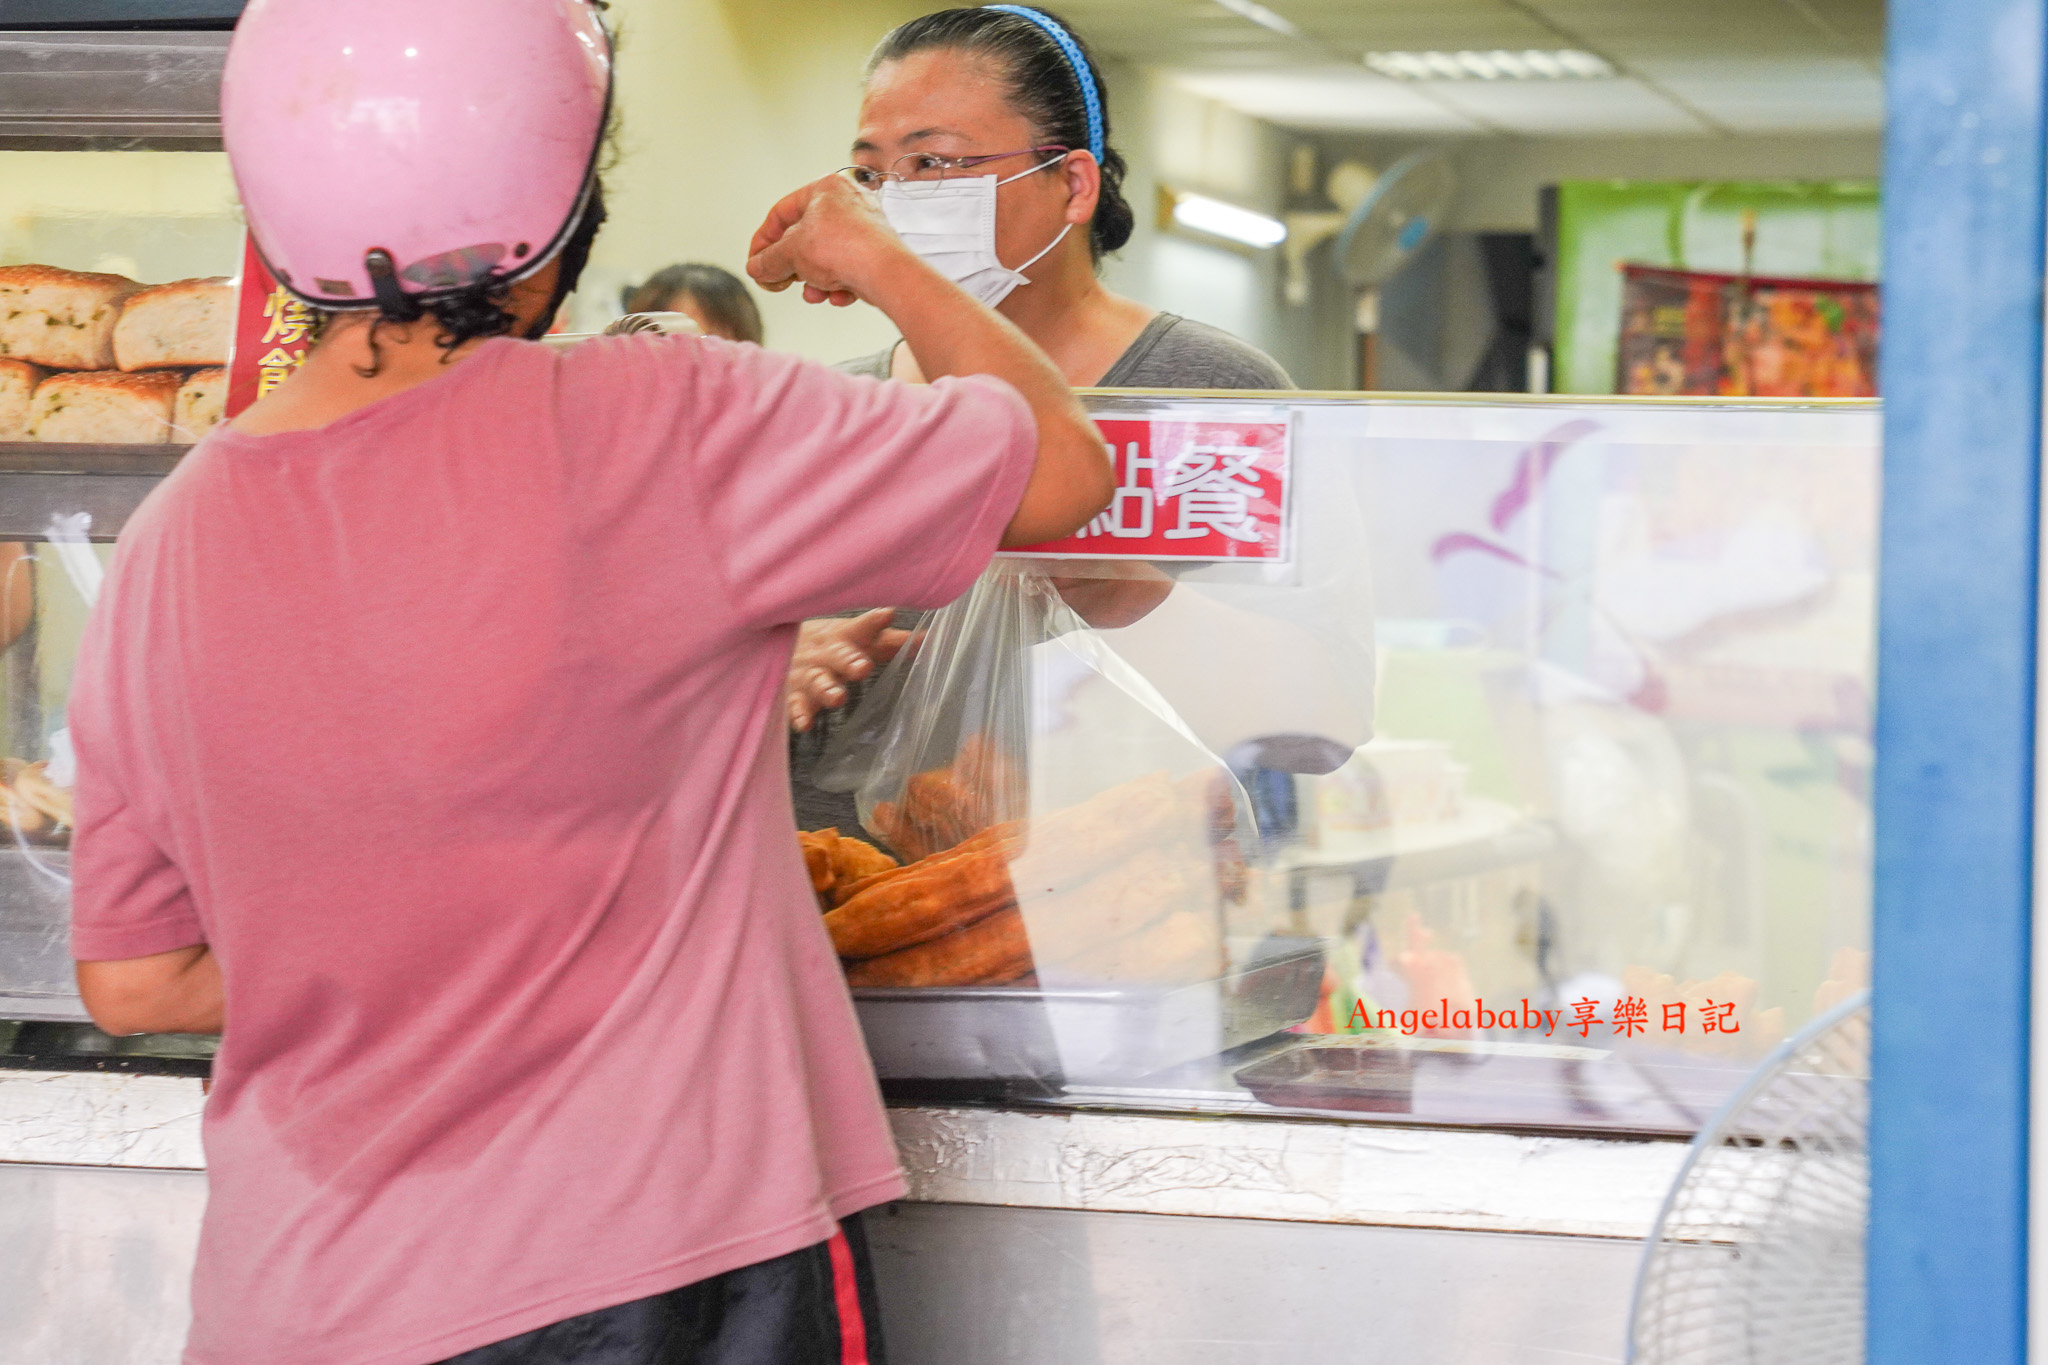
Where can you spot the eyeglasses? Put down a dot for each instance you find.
(924, 169)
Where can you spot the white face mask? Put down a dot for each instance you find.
(952, 225)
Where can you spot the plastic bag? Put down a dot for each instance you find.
(931, 750)
(1059, 822)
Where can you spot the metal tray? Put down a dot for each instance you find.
(1086, 1036)
(1644, 1090)
(1374, 1080)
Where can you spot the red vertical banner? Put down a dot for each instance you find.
(273, 332)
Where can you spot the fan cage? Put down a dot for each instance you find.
(1756, 1257)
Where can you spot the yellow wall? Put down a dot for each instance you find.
(153, 216)
(726, 105)
(1178, 140)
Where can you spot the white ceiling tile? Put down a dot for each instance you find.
(1745, 65)
(1424, 25)
(1816, 71)
(1631, 28)
(1859, 22)
(1327, 98)
(1542, 107)
(1763, 96)
(1191, 32)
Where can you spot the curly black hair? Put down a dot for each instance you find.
(479, 310)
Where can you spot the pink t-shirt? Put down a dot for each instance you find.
(455, 728)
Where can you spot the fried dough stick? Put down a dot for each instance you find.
(1011, 835)
(924, 902)
(992, 951)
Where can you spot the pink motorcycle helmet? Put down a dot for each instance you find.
(392, 152)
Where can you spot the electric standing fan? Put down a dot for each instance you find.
(1757, 1256)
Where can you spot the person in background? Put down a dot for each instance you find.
(429, 738)
(718, 301)
(986, 134)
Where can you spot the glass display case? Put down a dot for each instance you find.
(1507, 768)
(119, 233)
(60, 511)
(1505, 765)
(1466, 761)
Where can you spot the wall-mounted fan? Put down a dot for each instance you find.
(1406, 208)
(1382, 221)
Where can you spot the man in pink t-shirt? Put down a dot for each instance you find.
(430, 740)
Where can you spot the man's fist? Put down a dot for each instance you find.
(830, 237)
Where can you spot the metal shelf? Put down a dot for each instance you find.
(83, 91)
(107, 482)
(56, 457)
(131, 15)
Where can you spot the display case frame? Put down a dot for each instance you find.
(76, 90)
(38, 481)
(97, 76)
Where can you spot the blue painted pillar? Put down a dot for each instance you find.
(1956, 680)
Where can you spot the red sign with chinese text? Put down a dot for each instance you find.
(1189, 490)
(272, 334)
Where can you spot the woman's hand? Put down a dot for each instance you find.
(830, 236)
(833, 652)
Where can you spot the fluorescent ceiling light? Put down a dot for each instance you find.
(1261, 16)
(1219, 219)
(1499, 65)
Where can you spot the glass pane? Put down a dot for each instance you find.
(92, 351)
(46, 588)
(1607, 844)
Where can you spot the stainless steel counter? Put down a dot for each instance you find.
(967, 1284)
(1030, 1238)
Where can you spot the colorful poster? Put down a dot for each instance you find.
(1189, 491)
(1693, 332)
(273, 332)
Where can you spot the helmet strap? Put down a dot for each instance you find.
(393, 302)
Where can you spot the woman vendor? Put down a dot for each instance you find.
(1011, 92)
(986, 133)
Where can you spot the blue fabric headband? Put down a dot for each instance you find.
(1083, 77)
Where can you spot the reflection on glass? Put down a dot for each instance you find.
(46, 589)
(1605, 841)
(1611, 841)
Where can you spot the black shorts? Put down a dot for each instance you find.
(812, 1307)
